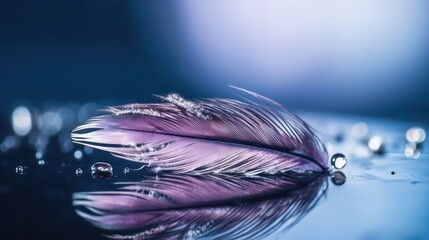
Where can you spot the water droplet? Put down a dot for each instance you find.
(190, 106)
(376, 145)
(360, 130)
(20, 170)
(39, 155)
(41, 142)
(79, 172)
(50, 123)
(338, 161)
(415, 135)
(157, 169)
(21, 121)
(9, 143)
(151, 193)
(88, 150)
(127, 169)
(41, 162)
(338, 178)
(78, 154)
(101, 170)
(416, 154)
(411, 150)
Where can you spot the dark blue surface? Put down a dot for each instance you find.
(53, 53)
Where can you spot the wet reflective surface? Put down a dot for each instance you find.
(191, 207)
(47, 188)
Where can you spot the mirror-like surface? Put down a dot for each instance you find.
(377, 195)
(206, 207)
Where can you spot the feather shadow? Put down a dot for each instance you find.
(201, 207)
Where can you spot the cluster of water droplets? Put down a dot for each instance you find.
(190, 106)
(20, 170)
(415, 137)
(99, 170)
(149, 148)
(379, 146)
(131, 109)
(43, 128)
(338, 161)
(197, 231)
(79, 172)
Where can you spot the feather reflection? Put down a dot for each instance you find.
(195, 207)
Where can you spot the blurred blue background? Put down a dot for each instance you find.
(62, 60)
(359, 57)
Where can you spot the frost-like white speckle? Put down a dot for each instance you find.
(191, 107)
(132, 110)
(197, 231)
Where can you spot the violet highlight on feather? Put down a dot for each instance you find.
(205, 136)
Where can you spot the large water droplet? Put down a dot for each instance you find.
(39, 155)
(101, 170)
(79, 172)
(360, 130)
(376, 145)
(338, 161)
(78, 154)
(338, 178)
(21, 121)
(415, 135)
(20, 170)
